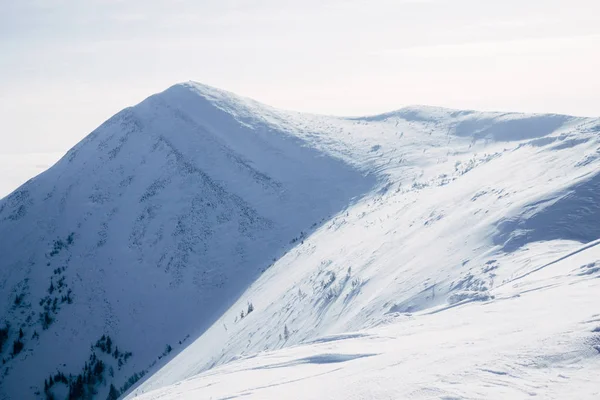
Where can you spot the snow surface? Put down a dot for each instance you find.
(539, 336)
(392, 256)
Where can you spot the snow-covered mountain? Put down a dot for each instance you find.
(148, 230)
(202, 220)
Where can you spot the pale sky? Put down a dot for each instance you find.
(68, 65)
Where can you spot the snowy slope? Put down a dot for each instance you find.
(540, 337)
(172, 220)
(147, 230)
(465, 202)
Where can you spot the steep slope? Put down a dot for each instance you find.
(147, 231)
(465, 202)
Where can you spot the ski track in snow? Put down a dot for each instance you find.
(422, 253)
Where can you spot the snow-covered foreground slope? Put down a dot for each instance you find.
(465, 202)
(539, 336)
(203, 221)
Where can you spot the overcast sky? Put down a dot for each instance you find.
(66, 66)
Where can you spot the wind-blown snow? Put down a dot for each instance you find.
(373, 251)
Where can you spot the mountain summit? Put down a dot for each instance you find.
(204, 221)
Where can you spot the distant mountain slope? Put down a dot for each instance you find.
(148, 230)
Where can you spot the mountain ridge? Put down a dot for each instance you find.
(174, 216)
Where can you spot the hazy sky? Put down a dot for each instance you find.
(66, 66)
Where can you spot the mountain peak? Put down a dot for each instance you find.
(170, 209)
